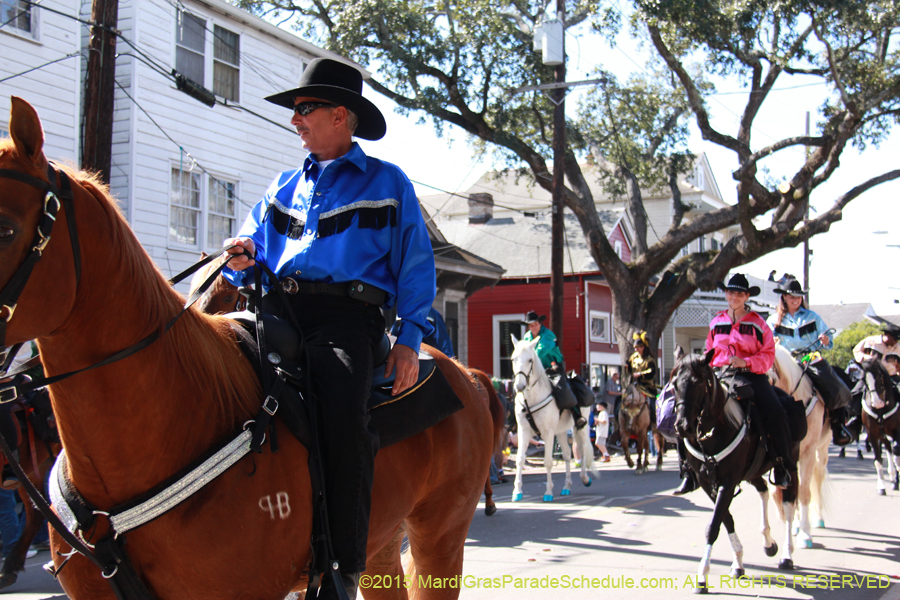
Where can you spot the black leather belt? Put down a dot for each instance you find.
(358, 290)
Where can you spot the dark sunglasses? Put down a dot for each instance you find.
(304, 108)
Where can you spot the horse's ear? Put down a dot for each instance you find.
(26, 132)
(515, 340)
(679, 353)
(203, 255)
(708, 358)
(533, 343)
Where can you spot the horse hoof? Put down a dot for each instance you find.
(489, 510)
(786, 564)
(562, 493)
(820, 524)
(896, 487)
(772, 550)
(588, 482)
(548, 497)
(517, 498)
(737, 573)
(659, 467)
(701, 589)
(795, 530)
(807, 543)
(7, 579)
(882, 493)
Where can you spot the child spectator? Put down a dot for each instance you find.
(601, 430)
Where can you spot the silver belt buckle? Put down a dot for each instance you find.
(289, 285)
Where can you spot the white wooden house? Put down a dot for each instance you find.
(33, 37)
(185, 173)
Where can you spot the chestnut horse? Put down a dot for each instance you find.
(132, 424)
(224, 297)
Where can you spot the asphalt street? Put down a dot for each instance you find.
(628, 530)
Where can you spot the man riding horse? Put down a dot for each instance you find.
(345, 236)
(641, 370)
(550, 355)
(885, 347)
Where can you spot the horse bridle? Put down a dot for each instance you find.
(54, 196)
(889, 398)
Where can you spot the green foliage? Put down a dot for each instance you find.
(845, 341)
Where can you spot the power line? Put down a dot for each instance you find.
(46, 64)
(184, 152)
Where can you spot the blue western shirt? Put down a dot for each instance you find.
(358, 218)
(800, 330)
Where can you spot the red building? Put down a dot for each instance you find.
(520, 243)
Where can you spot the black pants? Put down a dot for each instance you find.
(340, 335)
(765, 396)
(8, 425)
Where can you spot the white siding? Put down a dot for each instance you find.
(53, 90)
(225, 141)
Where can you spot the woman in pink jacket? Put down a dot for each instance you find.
(742, 341)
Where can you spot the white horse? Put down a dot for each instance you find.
(812, 465)
(534, 398)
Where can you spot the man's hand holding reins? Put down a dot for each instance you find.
(406, 360)
(241, 261)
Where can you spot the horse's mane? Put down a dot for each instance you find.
(699, 370)
(791, 374)
(215, 363)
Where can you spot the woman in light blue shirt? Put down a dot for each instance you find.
(795, 326)
(798, 328)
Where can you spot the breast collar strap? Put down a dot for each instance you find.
(54, 196)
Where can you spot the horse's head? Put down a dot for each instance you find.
(222, 297)
(37, 276)
(879, 389)
(526, 365)
(695, 390)
(632, 400)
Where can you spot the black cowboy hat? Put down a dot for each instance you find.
(532, 316)
(340, 83)
(891, 329)
(739, 283)
(793, 288)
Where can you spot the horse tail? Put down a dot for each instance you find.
(498, 410)
(410, 573)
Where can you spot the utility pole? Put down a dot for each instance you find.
(99, 89)
(559, 160)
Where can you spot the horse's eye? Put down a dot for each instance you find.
(6, 233)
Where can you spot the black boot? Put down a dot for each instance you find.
(580, 421)
(328, 591)
(780, 446)
(688, 480)
(840, 436)
(688, 484)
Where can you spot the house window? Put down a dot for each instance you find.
(685, 250)
(618, 248)
(701, 241)
(194, 217)
(184, 215)
(599, 326)
(16, 14)
(504, 325)
(226, 61)
(190, 47)
(221, 216)
(714, 244)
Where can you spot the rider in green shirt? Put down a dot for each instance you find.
(549, 353)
